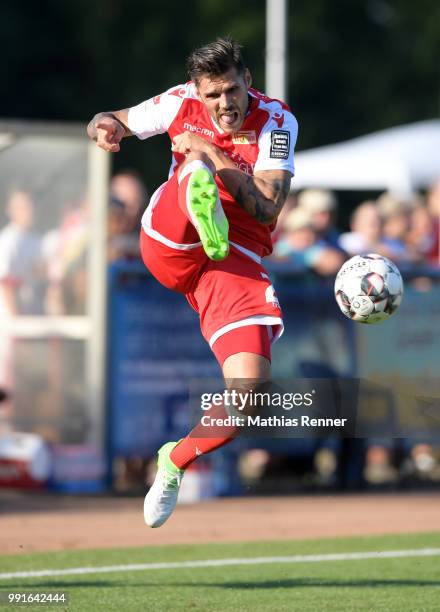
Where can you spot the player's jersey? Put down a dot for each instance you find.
(266, 141)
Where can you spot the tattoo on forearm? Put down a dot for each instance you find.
(259, 206)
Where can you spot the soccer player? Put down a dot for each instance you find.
(207, 228)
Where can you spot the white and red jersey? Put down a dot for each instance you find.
(266, 141)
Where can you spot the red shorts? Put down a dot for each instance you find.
(229, 294)
(251, 339)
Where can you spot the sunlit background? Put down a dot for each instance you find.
(95, 356)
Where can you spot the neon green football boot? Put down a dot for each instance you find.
(161, 499)
(207, 214)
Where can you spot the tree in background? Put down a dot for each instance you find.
(354, 67)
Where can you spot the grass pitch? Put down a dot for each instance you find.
(385, 584)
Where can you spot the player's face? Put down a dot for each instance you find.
(226, 98)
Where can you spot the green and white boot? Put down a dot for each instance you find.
(161, 499)
(207, 214)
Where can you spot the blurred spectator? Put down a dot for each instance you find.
(379, 468)
(128, 188)
(20, 259)
(399, 229)
(301, 245)
(395, 214)
(321, 206)
(5, 412)
(65, 252)
(420, 238)
(366, 230)
(289, 205)
(433, 205)
(117, 243)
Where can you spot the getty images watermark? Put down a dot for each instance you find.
(318, 407)
(264, 409)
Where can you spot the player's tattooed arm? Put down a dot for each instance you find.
(263, 195)
(108, 129)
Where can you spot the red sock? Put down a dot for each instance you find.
(202, 440)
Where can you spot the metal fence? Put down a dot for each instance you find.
(53, 190)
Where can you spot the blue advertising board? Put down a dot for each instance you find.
(155, 347)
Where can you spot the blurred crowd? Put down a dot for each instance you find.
(404, 229)
(45, 272)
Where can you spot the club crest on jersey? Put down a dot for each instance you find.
(245, 138)
(279, 119)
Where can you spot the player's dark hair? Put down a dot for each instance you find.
(214, 59)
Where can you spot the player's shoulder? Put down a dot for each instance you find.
(183, 91)
(277, 113)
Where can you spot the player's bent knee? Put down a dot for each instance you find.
(198, 156)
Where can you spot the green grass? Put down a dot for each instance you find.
(409, 584)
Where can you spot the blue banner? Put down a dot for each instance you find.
(155, 347)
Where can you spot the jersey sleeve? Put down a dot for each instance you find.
(154, 116)
(276, 143)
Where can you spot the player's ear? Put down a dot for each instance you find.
(247, 77)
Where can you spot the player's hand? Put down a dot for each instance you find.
(188, 142)
(109, 133)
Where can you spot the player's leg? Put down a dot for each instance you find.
(252, 367)
(240, 317)
(199, 199)
(242, 371)
(171, 246)
(186, 213)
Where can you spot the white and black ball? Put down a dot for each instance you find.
(368, 288)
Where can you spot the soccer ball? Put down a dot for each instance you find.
(368, 288)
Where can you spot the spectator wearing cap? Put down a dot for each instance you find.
(321, 205)
(301, 245)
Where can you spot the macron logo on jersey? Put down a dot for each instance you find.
(198, 129)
